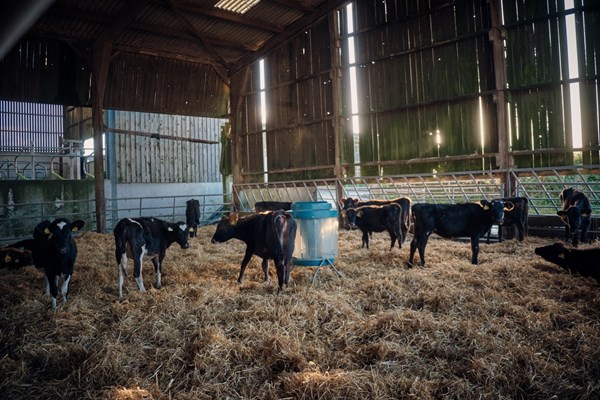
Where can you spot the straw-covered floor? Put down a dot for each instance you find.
(512, 327)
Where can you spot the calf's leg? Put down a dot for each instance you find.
(245, 262)
(138, 260)
(158, 271)
(65, 286)
(122, 272)
(474, 249)
(52, 280)
(265, 268)
(365, 239)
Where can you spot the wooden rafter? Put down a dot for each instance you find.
(207, 44)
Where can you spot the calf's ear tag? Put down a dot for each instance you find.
(359, 214)
(170, 229)
(486, 207)
(75, 229)
(7, 259)
(191, 229)
(561, 255)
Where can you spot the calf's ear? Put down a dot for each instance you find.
(77, 225)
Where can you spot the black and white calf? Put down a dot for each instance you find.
(145, 237)
(54, 250)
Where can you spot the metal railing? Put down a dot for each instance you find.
(17, 220)
(541, 186)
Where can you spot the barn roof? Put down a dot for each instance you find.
(190, 30)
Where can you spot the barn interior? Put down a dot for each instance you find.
(104, 102)
(112, 109)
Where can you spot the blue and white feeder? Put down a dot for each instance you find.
(316, 242)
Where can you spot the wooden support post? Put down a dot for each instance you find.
(334, 45)
(100, 63)
(504, 159)
(237, 94)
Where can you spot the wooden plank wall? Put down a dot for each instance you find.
(421, 67)
(152, 84)
(538, 79)
(299, 130)
(148, 160)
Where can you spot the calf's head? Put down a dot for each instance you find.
(352, 215)
(180, 230)
(572, 217)
(58, 233)
(554, 253)
(225, 229)
(496, 209)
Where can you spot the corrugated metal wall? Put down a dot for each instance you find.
(143, 159)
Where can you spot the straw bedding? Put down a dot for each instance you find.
(512, 327)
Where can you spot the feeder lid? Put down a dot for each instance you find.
(313, 209)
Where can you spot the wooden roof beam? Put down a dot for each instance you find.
(176, 33)
(295, 5)
(182, 17)
(104, 18)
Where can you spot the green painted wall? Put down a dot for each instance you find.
(23, 204)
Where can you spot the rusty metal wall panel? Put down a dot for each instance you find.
(144, 83)
(142, 159)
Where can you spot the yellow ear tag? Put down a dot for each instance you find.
(47, 231)
(7, 259)
(585, 214)
(486, 207)
(170, 229)
(191, 229)
(561, 255)
(359, 214)
(75, 229)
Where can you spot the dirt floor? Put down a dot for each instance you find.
(512, 327)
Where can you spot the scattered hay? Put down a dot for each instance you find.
(514, 326)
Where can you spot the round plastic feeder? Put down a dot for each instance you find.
(317, 235)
